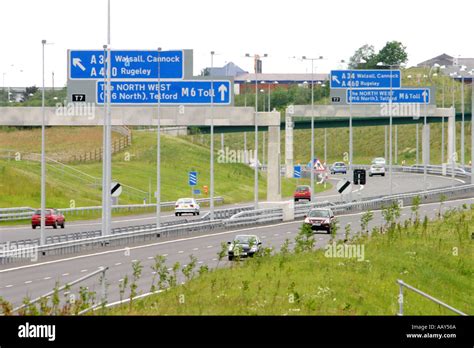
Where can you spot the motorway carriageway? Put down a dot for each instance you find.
(17, 281)
(377, 185)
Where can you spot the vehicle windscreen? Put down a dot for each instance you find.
(302, 188)
(319, 213)
(244, 240)
(38, 212)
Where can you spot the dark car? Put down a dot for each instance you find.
(52, 218)
(243, 245)
(302, 192)
(320, 219)
(338, 167)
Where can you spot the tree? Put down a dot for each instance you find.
(393, 53)
(366, 53)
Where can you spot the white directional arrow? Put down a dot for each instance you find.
(334, 78)
(77, 63)
(222, 90)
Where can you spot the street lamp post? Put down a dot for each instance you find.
(463, 68)
(390, 122)
(211, 202)
(43, 159)
(158, 146)
(312, 121)
(256, 59)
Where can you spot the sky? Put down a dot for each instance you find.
(333, 29)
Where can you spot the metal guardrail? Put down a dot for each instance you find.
(425, 295)
(80, 242)
(8, 255)
(25, 213)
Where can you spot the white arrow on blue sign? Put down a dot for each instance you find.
(172, 92)
(365, 79)
(297, 172)
(377, 96)
(193, 178)
(126, 64)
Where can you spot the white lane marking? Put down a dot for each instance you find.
(150, 257)
(289, 232)
(165, 255)
(200, 262)
(8, 286)
(153, 272)
(65, 274)
(180, 252)
(120, 280)
(170, 269)
(118, 263)
(209, 246)
(134, 260)
(276, 234)
(28, 282)
(199, 237)
(46, 278)
(214, 259)
(83, 270)
(196, 249)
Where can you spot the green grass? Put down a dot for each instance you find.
(437, 259)
(20, 180)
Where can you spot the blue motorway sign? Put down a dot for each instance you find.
(377, 96)
(191, 92)
(297, 172)
(126, 64)
(192, 178)
(365, 79)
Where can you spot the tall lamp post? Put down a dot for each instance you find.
(391, 66)
(211, 202)
(43, 159)
(312, 120)
(256, 59)
(158, 146)
(462, 70)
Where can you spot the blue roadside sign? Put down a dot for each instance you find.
(376, 96)
(126, 64)
(191, 92)
(297, 172)
(193, 178)
(365, 79)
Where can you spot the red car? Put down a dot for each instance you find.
(302, 192)
(53, 218)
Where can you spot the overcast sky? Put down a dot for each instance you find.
(282, 29)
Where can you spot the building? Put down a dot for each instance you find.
(228, 70)
(458, 65)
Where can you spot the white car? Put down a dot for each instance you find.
(377, 169)
(379, 160)
(186, 206)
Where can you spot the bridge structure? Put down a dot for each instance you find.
(222, 116)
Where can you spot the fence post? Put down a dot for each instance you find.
(103, 287)
(400, 298)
